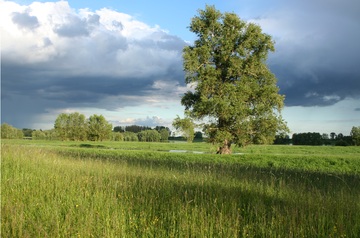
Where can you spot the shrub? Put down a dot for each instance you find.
(341, 143)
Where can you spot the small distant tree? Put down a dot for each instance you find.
(119, 129)
(117, 136)
(10, 132)
(325, 136)
(38, 135)
(186, 127)
(340, 136)
(198, 134)
(332, 135)
(355, 134)
(130, 136)
(98, 128)
(27, 132)
(164, 134)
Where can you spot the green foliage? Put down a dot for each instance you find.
(136, 129)
(185, 126)
(130, 136)
(234, 88)
(282, 140)
(164, 134)
(341, 143)
(118, 129)
(198, 134)
(9, 132)
(355, 134)
(71, 127)
(117, 136)
(309, 138)
(149, 135)
(45, 135)
(27, 132)
(98, 128)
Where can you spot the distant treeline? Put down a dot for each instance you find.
(137, 129)
(315, 138)
(74, 127)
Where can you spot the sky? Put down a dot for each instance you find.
(123, 59)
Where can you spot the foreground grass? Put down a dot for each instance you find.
(67, 192)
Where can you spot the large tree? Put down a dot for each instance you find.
(99, 128)
(235, 92)
(71, 127)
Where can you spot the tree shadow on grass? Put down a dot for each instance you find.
(90, 146)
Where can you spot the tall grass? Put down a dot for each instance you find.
(48, 192)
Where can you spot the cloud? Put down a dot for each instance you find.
(74, 26)
(102, 59)
(316, 56)
(147, 121)
(24, 20)
(357, 109)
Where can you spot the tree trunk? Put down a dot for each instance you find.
(225, 149)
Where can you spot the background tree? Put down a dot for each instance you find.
(119, 129)
(98, 128)
(332, 135)
(185, 126)
(198, 134)
(340, 136)
(38, 135)
(325, 136)
(159, 128)
(10, 132)
(310, 138)
(355, 134)
(77, 127)
(234, 89)
(61, 126)
(27, 132)
(71, 126)
(130, 136)
(164, 134)
(136, 129)
(117, 136)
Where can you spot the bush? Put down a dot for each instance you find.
(129, 136)
(9, 132)
(149, 135)
(117, 136)
(341, 143)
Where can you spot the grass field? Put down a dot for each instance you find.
(82, 189)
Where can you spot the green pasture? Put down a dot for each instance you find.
(85, 189)
(200, 147)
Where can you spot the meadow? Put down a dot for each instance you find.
(136, 189)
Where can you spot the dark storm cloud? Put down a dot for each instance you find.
(76, 26)
(24, 20)
(316, 59)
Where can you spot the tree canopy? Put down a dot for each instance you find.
(355, 135)
(235, 92)
(186, 128)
